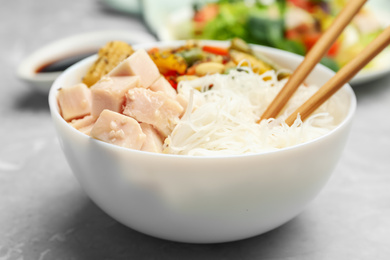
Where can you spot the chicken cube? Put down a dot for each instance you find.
(154, 108)
(118, 129)
(84, 124)
(153, 142)
(161, 84)
(74, 101)
(140, 64)
(109, 93)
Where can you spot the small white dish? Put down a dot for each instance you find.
(70, 46)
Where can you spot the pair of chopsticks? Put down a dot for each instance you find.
(314, 56)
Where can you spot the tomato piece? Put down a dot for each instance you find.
(216, 50)
(334, 49)
(207, 13)
(304, 4)
(310, 39)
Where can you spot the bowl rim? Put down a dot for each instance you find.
(53, 105)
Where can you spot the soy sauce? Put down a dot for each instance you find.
(63, 63)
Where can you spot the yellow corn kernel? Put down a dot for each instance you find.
(109, 57)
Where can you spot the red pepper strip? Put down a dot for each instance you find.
(171, 76)
(216, 50)
(172, 82)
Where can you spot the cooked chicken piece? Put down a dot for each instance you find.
(74, 101)
(153, 141)
(154, 108)
(118, 129)
(138, 64)
(109, 93)
(161, 84)
(84, 124)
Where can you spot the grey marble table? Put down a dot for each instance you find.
(44, 214)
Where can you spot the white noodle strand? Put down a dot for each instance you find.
(224, 121)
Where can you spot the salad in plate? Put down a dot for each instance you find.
(291, 25)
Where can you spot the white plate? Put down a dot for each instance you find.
(382, 12)
(69, 46)
(163, 24)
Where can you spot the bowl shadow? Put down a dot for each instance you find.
(95, 235)
(32, 101)
(372, 89)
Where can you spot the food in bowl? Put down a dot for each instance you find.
(202, 199)
(199, 100)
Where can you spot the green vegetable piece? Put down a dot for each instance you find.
(291, 46)
(330, 63)
(266, 31)
(240, 45)
(191, 56)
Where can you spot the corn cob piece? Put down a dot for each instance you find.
(109, 56)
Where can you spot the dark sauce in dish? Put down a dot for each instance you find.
(63, 63)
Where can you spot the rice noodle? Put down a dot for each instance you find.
(221, 120)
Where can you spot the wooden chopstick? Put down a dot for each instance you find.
(341, 77)
(312, 58)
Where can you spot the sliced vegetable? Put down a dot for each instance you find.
(240, 45)
(171, 77)
(191, 55)
(216, 50)
(167, 62)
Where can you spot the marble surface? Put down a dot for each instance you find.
(44, 214)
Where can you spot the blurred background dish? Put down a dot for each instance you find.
(124, 6)
(292, 25)
(43, 66)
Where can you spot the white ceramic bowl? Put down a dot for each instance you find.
(202, 199)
